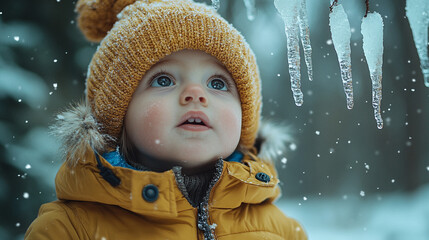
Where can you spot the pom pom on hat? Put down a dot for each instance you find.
(96, 17)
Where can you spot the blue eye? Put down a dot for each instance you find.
(217, 84)
(162, 81)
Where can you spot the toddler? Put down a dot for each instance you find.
(168, 143)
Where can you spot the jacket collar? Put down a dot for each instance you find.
(116, 160)
(237, 184)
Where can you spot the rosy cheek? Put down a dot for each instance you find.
(231, 121)
(150, 125)
(151, 113)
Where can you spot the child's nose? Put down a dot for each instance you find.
(193, 93)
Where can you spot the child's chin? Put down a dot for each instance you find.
(190, 167)
(196, 161)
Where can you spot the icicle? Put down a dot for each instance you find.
(418, 17)
(372, 31)
(305, 37)
(289, 12)
(250, 6)
(216, 4)
(340, 30)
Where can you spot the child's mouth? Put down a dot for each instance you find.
(195, 121)
(194, 125)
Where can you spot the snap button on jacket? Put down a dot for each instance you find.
(263, 177)
(149, 205)
(150, 193)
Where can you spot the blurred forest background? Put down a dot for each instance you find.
(339, 166)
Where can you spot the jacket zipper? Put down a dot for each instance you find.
(205, 227)
(203, 219)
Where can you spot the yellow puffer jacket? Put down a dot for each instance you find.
(150, 205)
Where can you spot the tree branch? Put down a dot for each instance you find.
(367, 7)
(333, 4)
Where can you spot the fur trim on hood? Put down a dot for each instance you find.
(79, 132)
(272, 139)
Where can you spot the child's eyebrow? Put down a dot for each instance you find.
(219, 64)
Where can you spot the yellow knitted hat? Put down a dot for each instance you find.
(137, 34)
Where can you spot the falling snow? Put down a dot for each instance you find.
(366, 166)
(419, 26)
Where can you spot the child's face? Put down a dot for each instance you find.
(186, 85)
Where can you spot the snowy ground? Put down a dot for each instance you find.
(394, 216)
